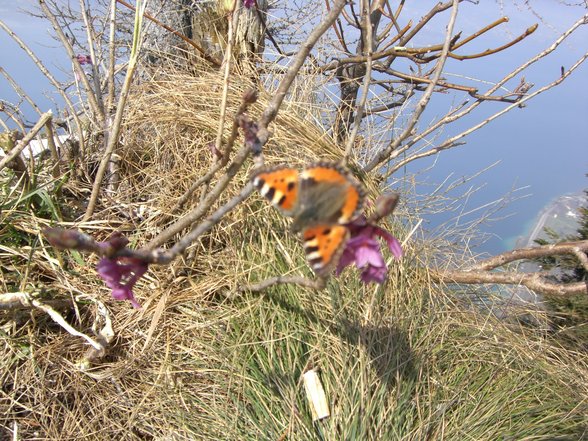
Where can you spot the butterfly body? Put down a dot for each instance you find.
(322, 198)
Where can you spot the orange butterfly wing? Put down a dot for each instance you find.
(324, 242)
(336, 175)
(324, 245)
(279, 186)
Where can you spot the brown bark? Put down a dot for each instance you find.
(188, 32)
(538, 282)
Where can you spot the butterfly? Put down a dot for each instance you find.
(321, 198)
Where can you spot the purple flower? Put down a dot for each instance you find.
(84, 59)
(120, 274)
(363, 249)
(250, 133)
(248, 3)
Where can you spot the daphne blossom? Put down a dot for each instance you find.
(363, 249)
(120, 275)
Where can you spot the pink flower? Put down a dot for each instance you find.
(248, 3)
(120, 274)
(363, 249)
(84, 59)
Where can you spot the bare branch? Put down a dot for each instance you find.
(111, 57)
(582, 256)
(439, 7)
(198, 212)
(233, 21)
(272, 109)
(26, 300)
(498, 85)
(14, 113)
(482, 272)
(532, 281)
(452, 142)
(112, 133)
(487, 52)
(476, 34)
(414, 80)
(316, 284)
(20, 146)
(192, 43)
(91, 37)
(90, 93)
(249, 98)
(558, 249)
(11, 301)
(338, 28)
(19, 90)
(422, 104)
(51, 79)
(71, 239)
(368, 34)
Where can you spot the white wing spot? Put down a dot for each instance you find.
(311, 243)
(313, 256)
(277, 196)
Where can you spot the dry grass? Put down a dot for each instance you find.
(404, 361)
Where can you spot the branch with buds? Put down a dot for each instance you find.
(482, 272)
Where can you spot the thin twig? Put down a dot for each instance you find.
(114, 133)
(20, 146)
(338, 29)
(91, 37)
(452, 142)
(422, 104)
(233, 22)
(351, 20)
(438, 8)
(487, 52)
(476, 34)
(395, 152)
(399, 51)
(3, 124)
(51, 79)
(14, 114)
(90, 93)
(397, 37)
(316, 284)
(111, 57)
(248, 98)
(198, 212)
(532, 281)
(19, 90)
(60, 238)
(272, 109)
(472, 91)
(368, 33)
(192, 43)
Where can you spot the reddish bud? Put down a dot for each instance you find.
(385, 206)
